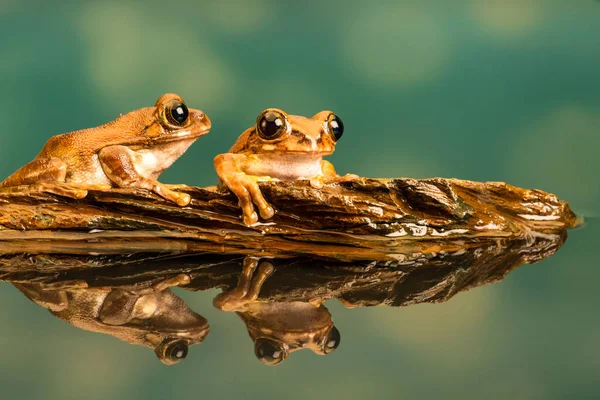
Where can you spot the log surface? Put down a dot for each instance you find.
(366, 219)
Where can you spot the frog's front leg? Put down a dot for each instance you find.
(248, 288)
(329, 175)
(243, 186)
(119, 165)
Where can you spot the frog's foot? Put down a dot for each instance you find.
(248, 193)
(317, 181)
(347, 303)
(66, 285)
(73, 191)
(179, 280)
(181, 199)
(177, 186)
(337, 178)
(348, 177)
(119, 165)
(248, 288)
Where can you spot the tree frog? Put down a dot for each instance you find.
(131, 151)
(153, 317)
(278, 147)
(278, 328)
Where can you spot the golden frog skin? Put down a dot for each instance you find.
(278, 328)
(278, 147)
(131, 151)
(153, 317)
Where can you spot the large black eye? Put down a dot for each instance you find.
(333, 341)
(176, 351)
(176, 112)
(270, 125)
(336, 127)
(268, 351)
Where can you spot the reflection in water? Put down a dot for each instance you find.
(278, 327)
(279, 300)
(152, 317)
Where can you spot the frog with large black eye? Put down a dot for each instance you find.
(129, 152)
(279, 147)
(278, 328)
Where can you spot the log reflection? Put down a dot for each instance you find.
(279, 300)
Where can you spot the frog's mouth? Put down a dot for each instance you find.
(199, 126)
(183, 135)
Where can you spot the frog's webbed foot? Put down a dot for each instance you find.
(248, 193)
(243, 186)
(248, 288)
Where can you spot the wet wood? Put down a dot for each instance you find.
(366, 219)
(419, 278)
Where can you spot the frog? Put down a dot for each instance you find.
(278, 328)
(152, 316)
(279, 147)
(128, 152)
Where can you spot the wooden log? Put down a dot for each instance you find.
(366, 219)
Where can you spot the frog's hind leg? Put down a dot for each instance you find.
(42, 175)
(119, 165)
(50, 169)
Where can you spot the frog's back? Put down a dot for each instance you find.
(241, 144)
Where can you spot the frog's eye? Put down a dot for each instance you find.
(176, 112)
(270, 125)
(176, 352)
(268, 351)
(332, 341)
(335, 126)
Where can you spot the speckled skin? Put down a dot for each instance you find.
(131, 151)
(296, 154)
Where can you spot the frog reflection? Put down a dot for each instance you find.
(278, 328)
(153, 317)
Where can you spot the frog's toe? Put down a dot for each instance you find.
(317, 182)
(267, 212)
(250, 219)
(183, 199)
(350, 177)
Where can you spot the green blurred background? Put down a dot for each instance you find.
(475, 89)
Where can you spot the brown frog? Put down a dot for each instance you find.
(153, 317)
(278, 328)
(131, 151)
(279, 147)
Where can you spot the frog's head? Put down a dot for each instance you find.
(276, 131)
(159, 320)
(279, 329)
(170, 120)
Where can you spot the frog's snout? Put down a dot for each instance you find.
(201, 119)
